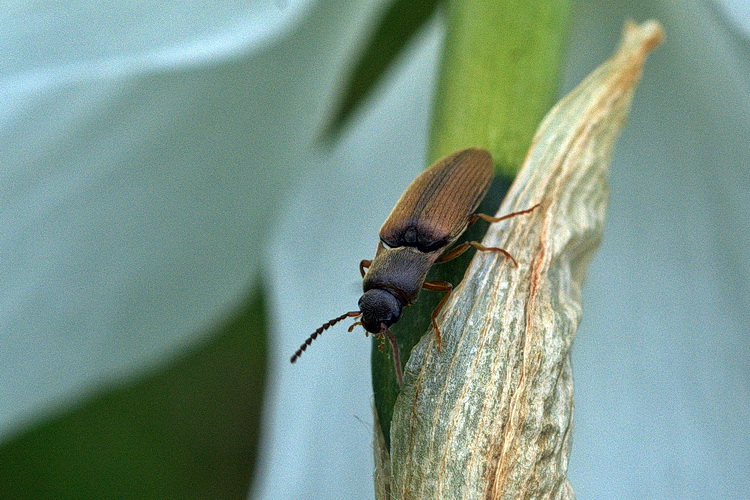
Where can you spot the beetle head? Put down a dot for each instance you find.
(379, 307)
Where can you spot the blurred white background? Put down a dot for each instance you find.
(138, 143)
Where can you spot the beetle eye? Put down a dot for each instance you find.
(385, 244)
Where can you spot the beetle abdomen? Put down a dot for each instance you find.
(434, 209)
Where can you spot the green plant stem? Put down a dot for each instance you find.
(499, 75)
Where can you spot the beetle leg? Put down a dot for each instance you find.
(396, 356)
(466, 244)
(364, 265)
(503, 251)
(475, 217)
(438, 286)
(455, 252)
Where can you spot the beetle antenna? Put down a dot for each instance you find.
(317, 332)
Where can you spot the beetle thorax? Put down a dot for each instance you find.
(401, 271)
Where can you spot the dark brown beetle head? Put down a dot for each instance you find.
(379, 307)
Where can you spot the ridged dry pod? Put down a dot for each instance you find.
(490, 416)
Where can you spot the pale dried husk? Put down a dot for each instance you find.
(490, 416)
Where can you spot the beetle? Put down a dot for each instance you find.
(436, 208)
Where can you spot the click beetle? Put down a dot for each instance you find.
(436, 208)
